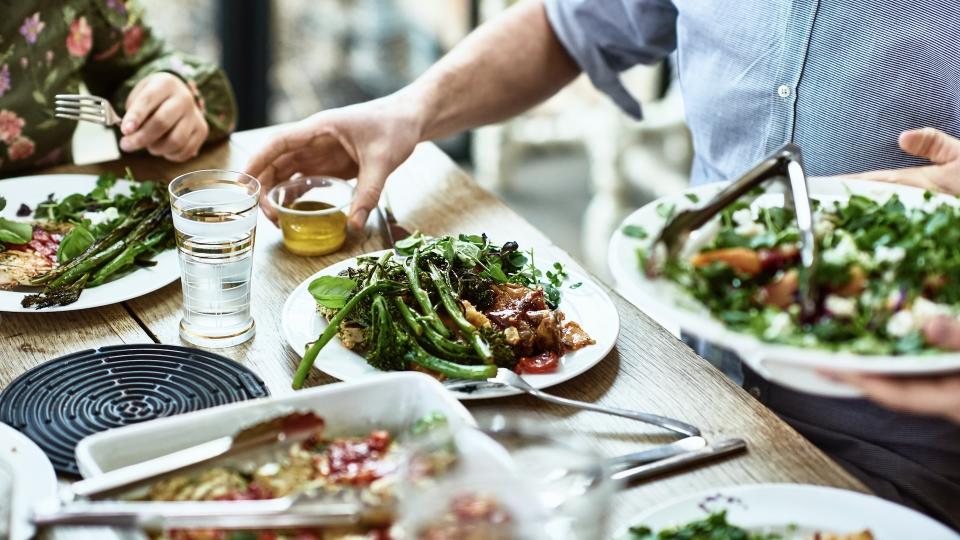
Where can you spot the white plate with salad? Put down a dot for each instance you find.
(49, 221)
(26, 478)
(886, 256)
(573, 321)
(783, 512)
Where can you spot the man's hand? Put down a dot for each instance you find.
(941, 149)
(367, 141)
(484, 79)
(163, 117)
(937, 395)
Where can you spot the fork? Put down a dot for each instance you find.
(505, 377)
(87, 108)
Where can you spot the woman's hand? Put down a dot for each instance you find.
(937, 395)
(163, 117)
(367, 141)
(941, 149)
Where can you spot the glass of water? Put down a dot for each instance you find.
(215, 217)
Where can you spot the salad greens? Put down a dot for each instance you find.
(13, 232)
(423, 307)
(885, 269)
(110, 232)
(713, 527)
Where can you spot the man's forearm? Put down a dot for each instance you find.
(506, 66)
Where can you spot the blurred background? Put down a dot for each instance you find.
(574, 167)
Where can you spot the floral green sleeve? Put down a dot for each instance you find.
(123, 50)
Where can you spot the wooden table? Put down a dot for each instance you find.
(649, 369)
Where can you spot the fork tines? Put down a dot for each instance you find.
(82, 107)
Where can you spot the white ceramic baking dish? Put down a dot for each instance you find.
(392, 401)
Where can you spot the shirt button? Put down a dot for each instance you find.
(754, 391)
(783, 91)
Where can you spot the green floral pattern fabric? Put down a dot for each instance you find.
(47, 47)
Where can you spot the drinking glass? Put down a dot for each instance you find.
(215, 218)
(507, 480)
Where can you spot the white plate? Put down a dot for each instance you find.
(33, 478)
(588, 305)
(31, 190)
(794, 367)
(829, 510)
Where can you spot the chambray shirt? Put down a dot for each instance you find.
(842, 79)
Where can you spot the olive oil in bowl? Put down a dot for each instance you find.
(313, 232)
(312, 214)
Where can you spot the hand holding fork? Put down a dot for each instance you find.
(163, 116)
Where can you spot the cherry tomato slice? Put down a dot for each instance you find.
(547, 362)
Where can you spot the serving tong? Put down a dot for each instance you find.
(284, 430)
(785, 166)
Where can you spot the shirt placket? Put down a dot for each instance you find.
(800, 18)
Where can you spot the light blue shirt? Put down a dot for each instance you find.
(840, 78)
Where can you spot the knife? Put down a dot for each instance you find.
(392, 231)
(285, 430)
(693, 457)
(687, 444)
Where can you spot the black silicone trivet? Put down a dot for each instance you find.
(62, 401)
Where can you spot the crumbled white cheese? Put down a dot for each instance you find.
(103, 216)
(746, 226)
(822, 227)
(778, 325)
(900, 324)
(845, 251)
(924, 310)
(840, 306)
(892, 255)
(268, 469)
(701, 237)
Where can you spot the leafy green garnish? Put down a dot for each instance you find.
(635, 231)
(74, 243)
(713, 527)
(332, 292)
(693, 197)
(14, 232)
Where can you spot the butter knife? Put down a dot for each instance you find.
(694, 457)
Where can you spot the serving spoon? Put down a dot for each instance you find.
(508, 378)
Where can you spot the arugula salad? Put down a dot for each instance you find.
(454, 307)
(63, 246)
(885, 269)
(717, 527)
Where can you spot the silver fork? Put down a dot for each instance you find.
(86, 108)
(505, 377)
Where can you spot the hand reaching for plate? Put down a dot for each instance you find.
(943, 151)
(932, 396)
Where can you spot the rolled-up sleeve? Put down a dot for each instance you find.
(607, 37)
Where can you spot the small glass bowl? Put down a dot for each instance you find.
(312, 211)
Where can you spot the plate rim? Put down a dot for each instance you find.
(812, 489)
(20, 528)
(480, 394)
(153, 283)
(751, 348)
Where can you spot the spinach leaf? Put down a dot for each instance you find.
(74, 243)
(332, 291)
(14, 232)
